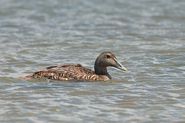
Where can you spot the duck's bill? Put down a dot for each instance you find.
(120, 66)
(123, 68)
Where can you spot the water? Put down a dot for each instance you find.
(147, 36)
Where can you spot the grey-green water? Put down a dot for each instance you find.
(148, 37)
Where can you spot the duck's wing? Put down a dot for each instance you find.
(65, 72)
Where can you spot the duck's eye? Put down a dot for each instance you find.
(108, 56)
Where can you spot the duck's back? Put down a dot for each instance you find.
(68, 72)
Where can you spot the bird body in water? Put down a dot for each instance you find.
(80, 73)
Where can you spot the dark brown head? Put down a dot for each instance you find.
(104, 60)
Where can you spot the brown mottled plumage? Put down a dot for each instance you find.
(78, 72)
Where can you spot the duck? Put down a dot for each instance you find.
(77, 72)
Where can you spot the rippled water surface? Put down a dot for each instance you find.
(147, 36)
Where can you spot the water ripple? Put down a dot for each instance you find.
(146, 36)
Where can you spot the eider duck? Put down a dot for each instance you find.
(77, 72)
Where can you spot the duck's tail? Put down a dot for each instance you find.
(27, 77)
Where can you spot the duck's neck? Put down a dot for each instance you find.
(99, 70)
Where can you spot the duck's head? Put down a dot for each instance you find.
(106, 59)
